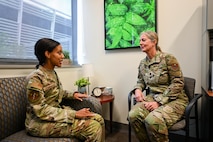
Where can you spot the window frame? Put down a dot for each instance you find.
(29, 63)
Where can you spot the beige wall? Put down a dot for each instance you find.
(180, 32)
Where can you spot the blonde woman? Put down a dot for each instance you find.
(165, 102)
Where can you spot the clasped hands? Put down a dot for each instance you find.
(141, 98)
(85, 112)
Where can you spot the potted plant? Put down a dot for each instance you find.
(66, 60)
(82, 83)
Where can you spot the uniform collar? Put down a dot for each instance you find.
(45, 69)
(155, 59)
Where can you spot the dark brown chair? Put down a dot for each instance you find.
(184, 123)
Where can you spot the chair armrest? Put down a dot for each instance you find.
(189, 107)
(191, 104)
(90, 102)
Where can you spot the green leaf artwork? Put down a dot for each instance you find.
(125, 20)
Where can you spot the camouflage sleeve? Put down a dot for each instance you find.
(41, 109)
(176, 81)
(68, 95)
(140, 82)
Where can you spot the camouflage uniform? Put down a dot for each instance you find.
(46, 118)
(163, 78)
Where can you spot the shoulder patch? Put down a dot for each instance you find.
(175, 67)
(34, 96)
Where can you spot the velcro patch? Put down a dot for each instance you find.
(34, 96)
(175, 67)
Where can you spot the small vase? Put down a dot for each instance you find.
(82, 90)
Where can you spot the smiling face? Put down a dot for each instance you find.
(146, 44)
(54, 58)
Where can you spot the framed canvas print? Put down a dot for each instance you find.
(125, 20)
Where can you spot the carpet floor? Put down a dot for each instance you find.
(120, 134)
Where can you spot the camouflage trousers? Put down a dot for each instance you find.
(153, 126)
(88, 130)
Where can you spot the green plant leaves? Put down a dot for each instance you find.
(117, 9)
(66, 54)
(82, 82)
(125, 20)
(115, 22)
(134, 19)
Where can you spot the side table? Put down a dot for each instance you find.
(108, 98)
